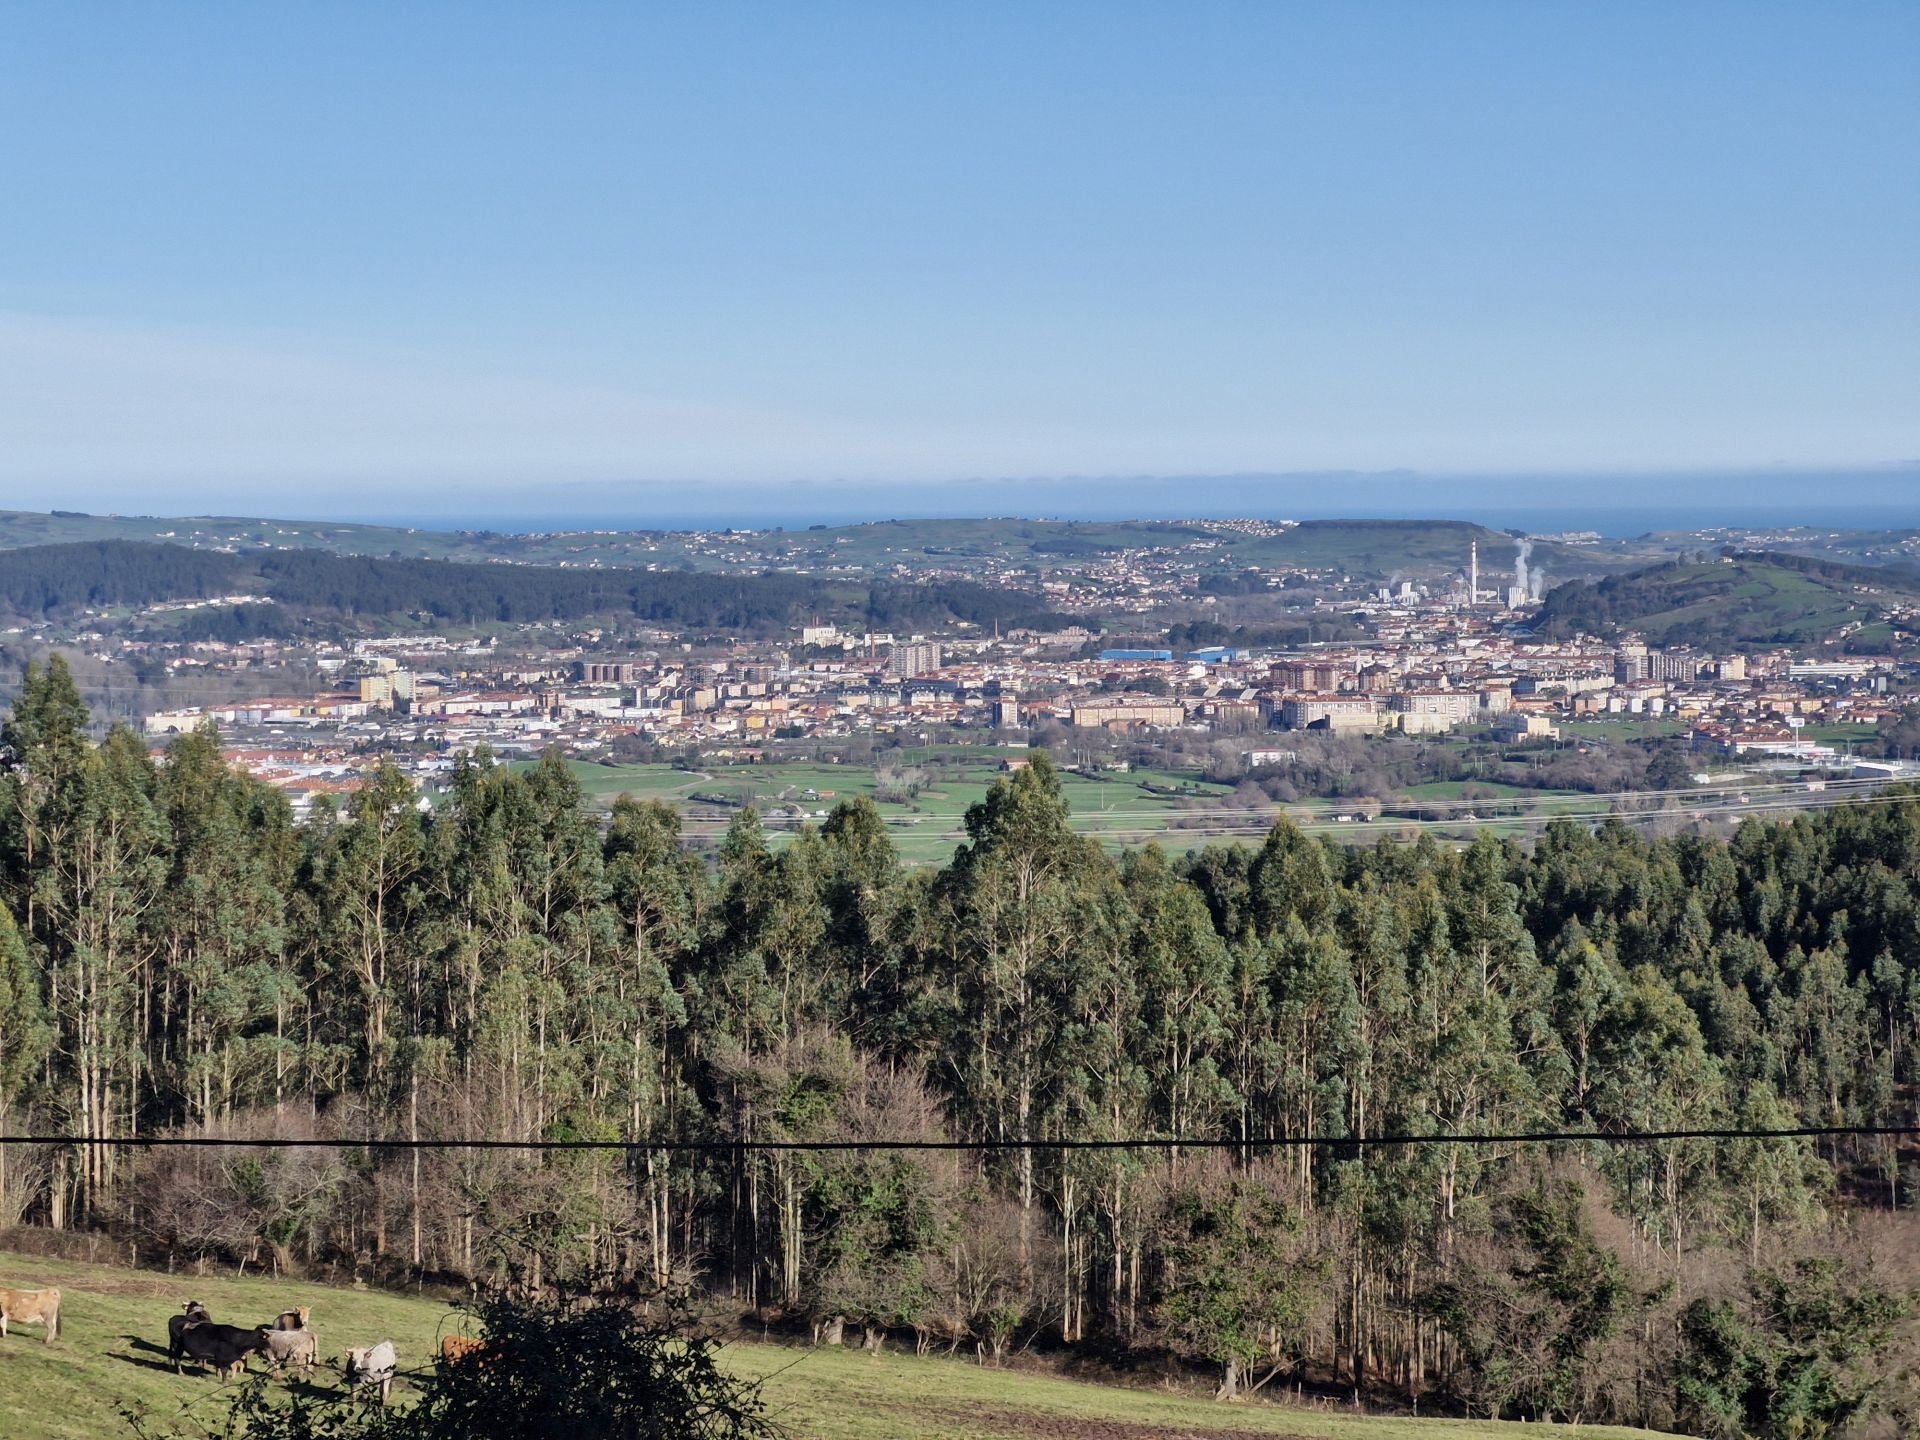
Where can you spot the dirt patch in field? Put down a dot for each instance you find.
(129, 1285)
(1027, 1423)
(134, 1287)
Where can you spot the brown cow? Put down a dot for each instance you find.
(31, 1307)
(293, 1319)
(456, 1349)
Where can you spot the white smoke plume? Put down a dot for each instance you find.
(1531, 583)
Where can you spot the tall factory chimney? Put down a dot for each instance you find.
(1473, 572)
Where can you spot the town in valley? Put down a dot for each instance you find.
(1195, 679)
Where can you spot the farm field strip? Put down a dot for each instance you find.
(111, 1355)
(848, 1395)
(1119, 808)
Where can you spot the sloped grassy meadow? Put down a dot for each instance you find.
(111, 1358)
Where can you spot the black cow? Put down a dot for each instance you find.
(225, 1347)
(193, 1313)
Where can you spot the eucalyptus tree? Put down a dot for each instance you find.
(1022, 910)
(368, 875)
(94, 907)
(1185, 986)
(659, 895)
(860, 885)
(1292, 876)
(25, 1038)
(1656, 1073)
(219, 1036)
(761, 970)
(45, 746)
(1589, 987)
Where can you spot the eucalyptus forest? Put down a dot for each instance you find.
(179, 957)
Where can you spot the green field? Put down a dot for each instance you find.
(1767, 600)
(1450, 790)
(925, 828)
(1849, 737)
(111, 1355)
(1496, 797)
(112, 1347)
(1118, 807)
(845, 1395)
(1622, 729)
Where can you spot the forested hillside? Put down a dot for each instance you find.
(49, 580)
(62, 580)
(1740, 600)
(176, 955)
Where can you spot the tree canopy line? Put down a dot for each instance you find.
(46, 581)
(178, 956)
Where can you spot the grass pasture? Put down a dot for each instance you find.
(1451, 790)
(1177, 809)
(847, 1395)
(111, 1355)
(1123, 807)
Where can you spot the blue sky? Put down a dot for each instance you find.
(337, 259)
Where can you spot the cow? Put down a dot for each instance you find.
(371, 1368)
(292, 1319)
(298, 1348)
(192, 1313)
(458, 1349)
(31, 1307)
(225, 1347)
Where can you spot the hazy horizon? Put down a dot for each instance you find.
(1613, 505)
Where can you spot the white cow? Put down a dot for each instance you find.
(371, 1368)
(298, 1348)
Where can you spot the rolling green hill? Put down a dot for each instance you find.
(111, 1356)
(1362, 548)
(1383, 547)
(1365, 548)
(1747, 599)
(914, 543)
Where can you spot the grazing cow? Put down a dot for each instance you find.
(455, 1349)
(298, 1348)
(225, 1347)
(31, 1307)
(192, 1313)
(292, 1319)
(371, 1368)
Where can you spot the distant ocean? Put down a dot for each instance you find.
(1610, 505)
